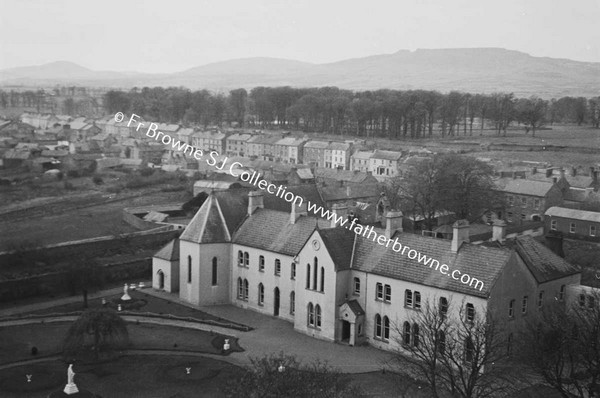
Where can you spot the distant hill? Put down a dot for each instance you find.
(474, 70)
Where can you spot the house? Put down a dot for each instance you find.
(261, 146)
(288, 150)
(314, 153)
(572, 223)
(385, 164)
(337, 155)
(361, 161)
(340, 285)
(209, 140)
(526, 199)
(331, 176)
(236, 144)
(184, 134)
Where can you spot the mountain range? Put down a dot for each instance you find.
(475, 70)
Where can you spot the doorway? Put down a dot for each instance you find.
(345, 331)
(161, 280)
(276, 302)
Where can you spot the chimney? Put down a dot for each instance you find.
(498, 231)
(255, 200)
(460, 234)
(595, 176)
(591, 171)
(534, 170)
(514, 175)
(393, 223)
(548, 172)
(297, 211)
(341, 212)
(562, 173)
(554, 179)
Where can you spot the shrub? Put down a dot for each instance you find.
(146, 172)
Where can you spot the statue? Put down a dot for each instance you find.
(70, 388)
(126, 296)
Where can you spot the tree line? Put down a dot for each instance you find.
(391, 114)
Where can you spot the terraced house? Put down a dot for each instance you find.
(332, 284)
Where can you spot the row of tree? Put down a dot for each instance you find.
(382, 113)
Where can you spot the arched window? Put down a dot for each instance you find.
(293, 270)
(311, 315)
(406, 333)
(408, 298)
(189, 269)
(322, 279)
(469, 350)
(441, 342)
(240, 289)
(315, 273)
(261, 294)
(511, 309)
(386, 328)
(246, 259)
(308, 276)
(417, 298)
(214, 271)
(292, 302)
(240, 258)
(378, 326)
(246, 289)
(415, 332)
(357, 286)
(318, 315)
(443, 306)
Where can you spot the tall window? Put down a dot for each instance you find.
(511, 309)
(561, 293)
(318, 315)
(540, 299)
(387, 293)
(189, 269)
(408, 298)
(378, 326)
(406, 333)
(311, 315)
(582, 299)
(240, 289)
(536, 204)
(214, 271)
(386, 328)
(261, 294)
(308, 276)
(292, 302)
(415, 336)
(469, 350)
(322, 279)
(524, 305)
(315, 273)
(470, 312)
(357, 286)
(591, 301)
(417, 298)
(261, 263)
(379, 291)
(441, 342)
(277, 267)
(246, 289)
(293, 270)
(592, 230)
(572, 227)
(553, 225)
(443, 306)
(240, 258)
(246, 259)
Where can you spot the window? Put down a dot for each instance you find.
(318, 315)
(582, 299)
(443, 306)
(261, 263)
(524, 305)
(189, 269)
(415, 335)
(441, 342)
(315, 273)
(240, 258)
(523, 217)
(509, 215)
(511, 200)
(246, 289)
(322, 279)
(311, 315)
(417, 298)
(378, 329)
(470, 312)
(591, 301)
(292, 302)
(379, 291)
(308, 276)
(536, 204)
(386, 328)
(572, 227)
(246, 259)
(357, 286)
(388, 293)
(511, 309)
(524, 201)
(293, 270)
(277, 267)
(406, 333)
(408, 298)
(592, 230)
(469, 350)
(540, 299)
(214, 271)
(561, 293)
(240, 289)
(261, 294)
(553, 225)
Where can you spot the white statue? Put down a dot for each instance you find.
(126, 296)
(70, 388)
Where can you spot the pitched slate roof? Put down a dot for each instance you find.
(350, 191)
(386, 155)
(525, 187)
(573, 213)
(339, 243)
(271, 230)
(170, 251)
(483, 263)
(355, 307)
(317, 144)
(341, 175)
(208, 225)
(541, 261)
(362, 155)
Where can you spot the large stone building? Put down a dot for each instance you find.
(337, 285)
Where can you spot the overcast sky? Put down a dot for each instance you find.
(174, 35)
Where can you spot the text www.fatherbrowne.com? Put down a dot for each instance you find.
(254, 178)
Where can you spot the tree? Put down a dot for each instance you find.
(284, 376)
(83, 275)
(237, 104)
(531, 112)
(465, 355)
(99, 330)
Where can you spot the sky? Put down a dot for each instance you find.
(175, 35)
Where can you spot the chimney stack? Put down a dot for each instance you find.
(499, 231)
(591, 171)
(297, 211)
(534, 170)
(562, 173)
(255, 200)
(460, 234)
(393, 223)
(548, 172)
(554, 179)
(341, 212)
